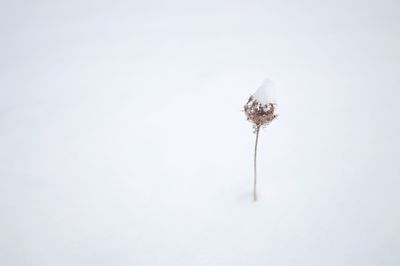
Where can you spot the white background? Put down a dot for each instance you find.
(122, 140)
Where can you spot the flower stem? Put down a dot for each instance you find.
(255, 165)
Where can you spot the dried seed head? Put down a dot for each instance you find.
(259, 114)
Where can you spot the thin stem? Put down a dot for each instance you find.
(255, 165)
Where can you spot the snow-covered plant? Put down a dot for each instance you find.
(260, 110)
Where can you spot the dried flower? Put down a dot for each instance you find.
(260, 109)
(259, 114)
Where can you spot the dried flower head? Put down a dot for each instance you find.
(260, 108)
(258, 113)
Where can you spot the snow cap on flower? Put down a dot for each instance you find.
(265, 93)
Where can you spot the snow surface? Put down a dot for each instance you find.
(122, 140)
(265, 93)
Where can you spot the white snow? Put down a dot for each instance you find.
(265, 93)
(119, 145)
